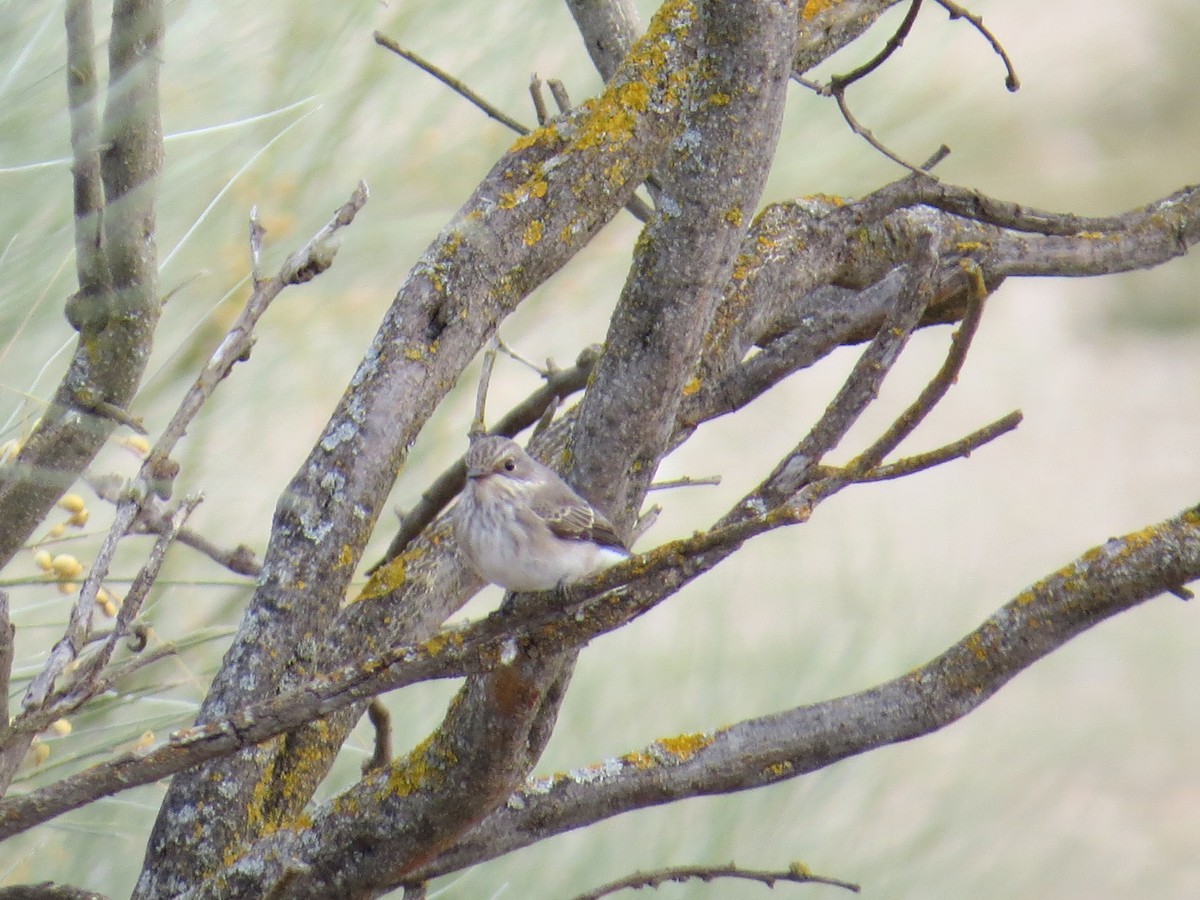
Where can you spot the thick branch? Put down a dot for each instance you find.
(608, 28)
(538, 206)
(1111, 578)
(116, 318)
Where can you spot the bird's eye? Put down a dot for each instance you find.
(509, 465)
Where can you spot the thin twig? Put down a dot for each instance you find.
(478, 423)
(451, 82)
(858, 391)
(796, 873)
(558, 91)
(685, 481)
(311, 259)
(933, 393)
(529, 364)
(841, 82)
(256, 236)
(62, 704)
(865, 133)
(959, 449)
(959, 12)
(635, 206)
(838, 83)
(539, 102)
(134, 598)
(152, 519)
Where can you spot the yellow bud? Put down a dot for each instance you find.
(39, 751)
(108, 607)
(66, 566)
(57, 530)
(72, 503)
(79, 519)
(43, 560)
(67, 587)
(61, 727)
(137, 444)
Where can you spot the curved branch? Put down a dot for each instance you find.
(1106, 580)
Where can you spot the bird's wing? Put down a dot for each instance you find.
(571, 517)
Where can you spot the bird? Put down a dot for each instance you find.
(522, 527)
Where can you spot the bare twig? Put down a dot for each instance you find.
(508, 351)
(685, 481)
(134, 598)
(256, 236)
(558, 91)
(479, 422)
(301, 266)
(635, 205)
(956, 356)
(451, 82)
(865, 133)
(959, 449)
(539, 102)
(839, 83)
(65, 703)
(313, 258)
(796, 873)
(959, 12)
(859, 390)
(152, 519)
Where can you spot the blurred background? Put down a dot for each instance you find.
(1078, 780)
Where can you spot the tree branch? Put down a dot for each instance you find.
(608, 29)
(534, 210)
(798, 873)
(116, 310)
(1104, 581)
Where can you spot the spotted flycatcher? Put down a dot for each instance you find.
(522, 527)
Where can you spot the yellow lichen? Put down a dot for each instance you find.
(533, 232)
(733, 216)
(691, 387)
(683, 746)
(639, 760)
(813, 8)
(975, 644)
